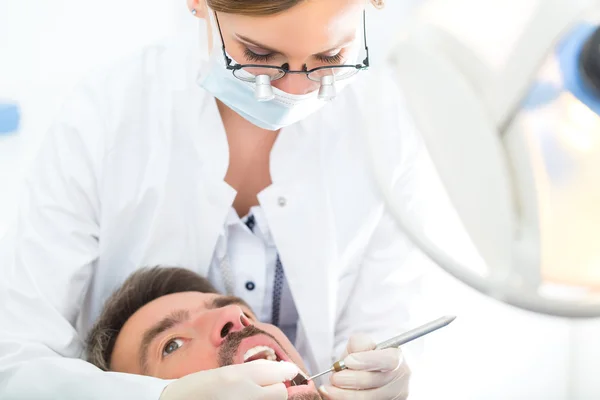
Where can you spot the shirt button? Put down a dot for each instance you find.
(282, 201)
(250, 285)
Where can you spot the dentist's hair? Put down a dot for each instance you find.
(262, 7)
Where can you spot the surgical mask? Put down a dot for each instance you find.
(283, 110)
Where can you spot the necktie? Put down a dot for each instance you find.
(278, 281)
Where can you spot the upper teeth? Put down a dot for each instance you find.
(255, 350)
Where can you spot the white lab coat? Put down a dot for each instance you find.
(131, 175)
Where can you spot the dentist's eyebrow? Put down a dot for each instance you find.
(176, 317)
(254, 43)
(347, 40)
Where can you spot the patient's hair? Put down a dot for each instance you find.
(142, 287)
(261, 7)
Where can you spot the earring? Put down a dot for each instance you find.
(194, 12)
(379, 4)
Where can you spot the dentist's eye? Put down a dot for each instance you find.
(252, 56)
(172, 346)
(334, 59)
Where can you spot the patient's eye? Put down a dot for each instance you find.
(172, 346)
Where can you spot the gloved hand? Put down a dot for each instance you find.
(371, 374)
(256, 380)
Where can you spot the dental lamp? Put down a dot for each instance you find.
(506, 97)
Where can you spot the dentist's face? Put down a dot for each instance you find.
(182, 333)
(308, 35)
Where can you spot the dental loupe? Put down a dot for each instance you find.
(264, 90)
(327, 90)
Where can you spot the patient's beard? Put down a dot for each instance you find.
(230, 346)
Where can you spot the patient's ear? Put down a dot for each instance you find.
(199, 6)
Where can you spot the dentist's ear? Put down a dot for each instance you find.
(198, 8)
(379, 4)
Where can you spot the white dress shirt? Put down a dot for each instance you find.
(252, 257)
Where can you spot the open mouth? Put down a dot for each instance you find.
(261, 347)
(261, 353)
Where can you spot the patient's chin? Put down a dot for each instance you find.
(307, 391)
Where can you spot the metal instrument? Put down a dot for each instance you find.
(393, 342)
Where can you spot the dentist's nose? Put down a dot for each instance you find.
(227, 320)
(296, 84)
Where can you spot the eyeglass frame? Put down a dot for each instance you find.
(285, 67)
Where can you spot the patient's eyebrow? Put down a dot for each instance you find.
(174, 318)
(224, 301)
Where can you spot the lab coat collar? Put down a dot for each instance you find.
(263, 226)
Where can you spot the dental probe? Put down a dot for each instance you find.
(393, 342)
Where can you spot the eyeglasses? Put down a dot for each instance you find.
(249, 72)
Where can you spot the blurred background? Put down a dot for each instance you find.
(492, 351)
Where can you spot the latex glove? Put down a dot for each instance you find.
(371, 374)
(256, 380)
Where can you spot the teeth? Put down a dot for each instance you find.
(270, 353)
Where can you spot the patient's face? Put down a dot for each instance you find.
(183, 333)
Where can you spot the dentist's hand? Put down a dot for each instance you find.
(371, 374)
(256, 380)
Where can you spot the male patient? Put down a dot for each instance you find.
(171, 322)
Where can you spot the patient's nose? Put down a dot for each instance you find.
(228, 320)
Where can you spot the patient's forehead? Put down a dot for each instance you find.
(159, 308)
(166, 304)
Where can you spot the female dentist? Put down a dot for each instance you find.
(226, 158)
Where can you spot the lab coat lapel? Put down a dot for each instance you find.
(299, 215)
(214, 197)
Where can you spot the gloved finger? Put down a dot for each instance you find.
(273, 392)
(396, 390)
(265, 373)
(359, 342)
(361, 380)
(375, 360)
(333, 393)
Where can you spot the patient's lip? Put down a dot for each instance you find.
(259, 340)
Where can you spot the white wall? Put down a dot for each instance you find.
(585, 360)
(46, 46)
(490, 352)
